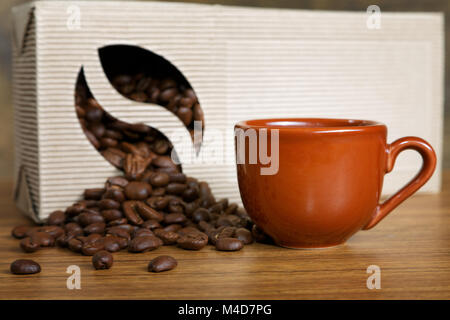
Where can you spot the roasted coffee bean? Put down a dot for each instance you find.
(175, 206)
(216, 208)
(189, 208)
(244, 235)
(162, 263)
(97, 227)
(111, 215)
(93, 114)
(75, 245)
(63, 240)
(161, 147)
(115, 193)
(205, 226)
(106, 204)
(144, 243)
(225, 232)
(201, 214)
(173, 227)
(106, 142)
(159, 179)
(185, 114)
(24, 266)
(113, 243)
(176, 188)
(148, 213)
(142, 232)
(163, 162)
(190, 194)
(117, 222)
(177, 177)
(137, 190)
(29, 245)
(56, 218)
(206, 195)
(116, 181)
(54, 231)
(20, 232)
(259, 235)
(93, 194)
(229, 244)
(187, 230)
(92, 247)
(102, 260)
(193, 241)
(159, 192)
(75, 209)
(73, 228)
(168, 237)
(134, 165)
(43, 239)
(151, 224)
(127, 227)
(231, 209)
(174, 218)
(157, 202)
(119, 232)
(115, 156)
(87, 218)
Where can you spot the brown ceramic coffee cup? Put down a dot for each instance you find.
(328, 179)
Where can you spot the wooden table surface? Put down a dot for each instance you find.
(411, 247)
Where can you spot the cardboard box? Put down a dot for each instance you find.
(242, 63)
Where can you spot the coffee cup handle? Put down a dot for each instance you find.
(425, 173)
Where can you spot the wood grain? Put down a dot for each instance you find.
(411, 246)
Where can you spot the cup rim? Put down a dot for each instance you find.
(311, 124)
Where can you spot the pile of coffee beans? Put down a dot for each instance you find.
(131, 147)
(154, 203)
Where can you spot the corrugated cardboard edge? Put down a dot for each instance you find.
(21, 19)
(22, 195)
(20, 22)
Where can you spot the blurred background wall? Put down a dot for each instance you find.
(6, 150)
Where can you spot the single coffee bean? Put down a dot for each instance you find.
(244, 235)
(163, 162)
(114, 193)
(75, 209)
(176, 188)
(87, 218)
(102, 260)
(174, 218)
(117, 222)
(144, 243)
(193, 241)
(116, 181)
(159, 179)
(91, 248)
(24, 266)
(175, 206)
(20, 232)
(130, 211)
(168, 237)
(93, 194)
(162, 263)
(119, 232)
(158, 192)
(111, 214)
(113, 243)
(28, 245)
(73, 228)
(229, 244)
(201, 214)
(97, 227)
(148, 213)
(137, 190)
(158, 202)
(190, 194)
(54, 231)
(75, 245)
(173, 227)
(106, 204)
(151, 224)
(142, 232)
(56, 218)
